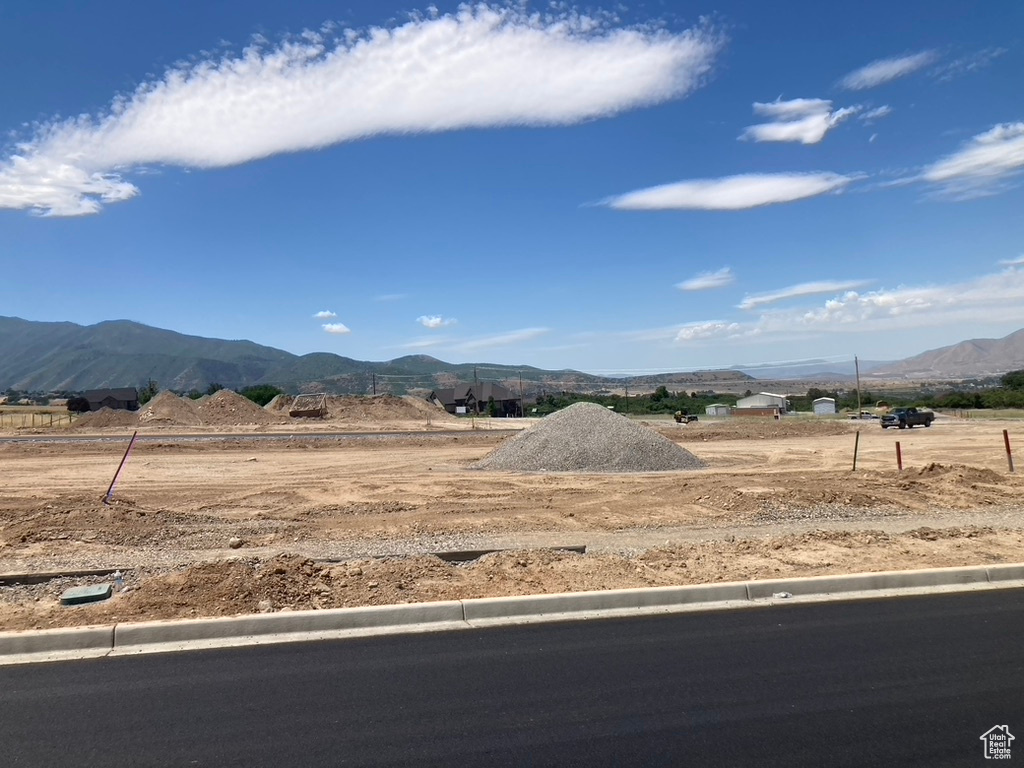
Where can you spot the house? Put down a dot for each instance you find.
(763, 403)
(121, 399)
(475, 398)
(824, 406)
(718, 409)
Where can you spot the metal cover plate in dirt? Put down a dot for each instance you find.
(89, 594)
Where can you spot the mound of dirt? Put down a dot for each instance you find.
(227, 408)
(384, 408)
(586, 437)
(279, 404)
(106, 417)
(168, 408)
(961, 472)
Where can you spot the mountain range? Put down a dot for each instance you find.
(64, 356)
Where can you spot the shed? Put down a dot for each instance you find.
(764, 400)
(718, 409)
(824, 406)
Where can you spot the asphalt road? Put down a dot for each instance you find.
(914, 681)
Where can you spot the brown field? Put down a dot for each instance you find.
(352, 521)
(34, 416)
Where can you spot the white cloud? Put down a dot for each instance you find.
(339, 329)
(799, 291)
(793, 109)
(984, 300)
(883, 70)
(501, 339)
(731, 193)
(325, 314)
(875, 114)
(480, 66)
(709, 329)
(1017, 262)
(982, 164)
(391, 297)
(968, 64)
(435, 321)
(803, 120)
(708, 280)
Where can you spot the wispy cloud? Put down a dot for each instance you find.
(731, 193)
(435, 321)
(325, 314)
(339, 329)
(1017, 262)
(982, 165)
(791, 109)
(966, 65)
(501, 339)
(434, 341)
(987, 299)
(480, 66)
(877, 113)
(800, 291)
(803, 120)
(706, 281)
(883, 70)
(385, 297)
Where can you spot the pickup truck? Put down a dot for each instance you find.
(907, 417)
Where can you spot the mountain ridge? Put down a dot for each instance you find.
(65, 356)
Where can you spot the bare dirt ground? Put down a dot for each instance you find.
(345, 521)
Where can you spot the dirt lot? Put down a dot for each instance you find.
(344, 521)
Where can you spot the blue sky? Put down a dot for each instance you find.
(634, 187)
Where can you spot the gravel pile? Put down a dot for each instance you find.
(586, 437)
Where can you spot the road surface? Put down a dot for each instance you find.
(912, 681)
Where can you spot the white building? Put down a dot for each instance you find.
(717, 409)
(764, 400)
(824, 406)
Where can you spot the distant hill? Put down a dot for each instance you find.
(46, 357)
(61, 356)
(976, 358)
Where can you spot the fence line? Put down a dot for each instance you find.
(15, 420)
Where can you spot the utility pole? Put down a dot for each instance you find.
(374, 375)
(522, 406)
(856, 370)
(476, 392)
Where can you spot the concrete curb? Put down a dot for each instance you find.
(294, 626)
(74, 642)
(149, 636)
(502, 609)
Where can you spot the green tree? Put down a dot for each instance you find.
(1013, 380)
(78, 404)
(148, 392)
(214, 388)
(261, 394)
